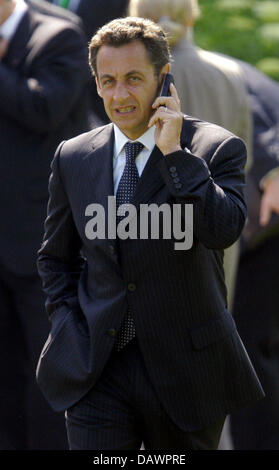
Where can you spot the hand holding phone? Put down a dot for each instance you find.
(167, 117)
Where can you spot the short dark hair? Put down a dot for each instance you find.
(122, 31)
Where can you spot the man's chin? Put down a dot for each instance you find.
(130, 130)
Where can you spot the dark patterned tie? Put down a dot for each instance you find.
(124, 195)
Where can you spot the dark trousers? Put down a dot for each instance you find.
(26, 419)
(122, 412)
(256, 312)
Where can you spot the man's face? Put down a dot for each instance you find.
(127, 83)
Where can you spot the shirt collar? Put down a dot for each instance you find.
(147, 139)
(8, 28)
(73, 5)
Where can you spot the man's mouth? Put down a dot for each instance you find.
(125, 110)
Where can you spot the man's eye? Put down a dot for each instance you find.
(107, 82)
(134, 79)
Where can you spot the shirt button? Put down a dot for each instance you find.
(174, 175)
(131, 287)
(172, 169)
(112, 332)
(178, 185)
(176, 180)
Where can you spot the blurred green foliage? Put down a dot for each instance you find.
(245, 29)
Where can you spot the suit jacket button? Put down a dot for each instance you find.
(112, 332)
(176, 180)
(174, 174)
(131, 287)
(172, 169)
(178, 185)
(111, 249)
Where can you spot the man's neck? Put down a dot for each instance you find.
(6, 10)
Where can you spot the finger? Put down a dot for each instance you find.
(174, 93)
(265, 212)
(167, 101)
(161, 114)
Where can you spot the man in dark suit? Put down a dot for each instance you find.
(142, 347)
(256, 302)
(43, 80)
(94, 14)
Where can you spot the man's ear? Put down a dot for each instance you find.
(99, 91)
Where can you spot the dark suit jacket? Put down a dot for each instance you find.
(43, 100)
(264, 101)
(94, 14)
(264, 98)
(188, 339)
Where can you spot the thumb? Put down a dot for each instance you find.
(265, 211)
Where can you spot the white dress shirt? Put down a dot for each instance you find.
(8, 28)
(119, 157)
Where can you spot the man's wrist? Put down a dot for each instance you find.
(171, 150)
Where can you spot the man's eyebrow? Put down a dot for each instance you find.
(106, 75)
(131, 72)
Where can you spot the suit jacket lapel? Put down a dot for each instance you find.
(150, 181)
(99, 165)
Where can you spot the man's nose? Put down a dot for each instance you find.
(120, 91)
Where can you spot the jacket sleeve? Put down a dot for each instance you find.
(264, 103)
(59, 260)
(215, 190)
(57, 73)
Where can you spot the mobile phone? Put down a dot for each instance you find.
(168, 79)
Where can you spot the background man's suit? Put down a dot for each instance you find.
(257, 290)
(212, 87)
(94, 14)
(43, 80)
(188, 339)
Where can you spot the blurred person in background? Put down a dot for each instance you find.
(43, 100)
(94, 14)
(256, 302)
(46, 8)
